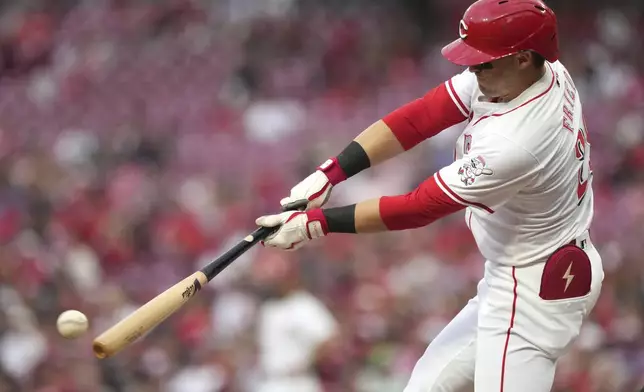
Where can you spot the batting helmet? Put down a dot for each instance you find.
(491, 29)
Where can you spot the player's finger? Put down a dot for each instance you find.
(275, 243)
(269, 220)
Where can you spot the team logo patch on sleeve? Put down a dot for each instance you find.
(472, 169)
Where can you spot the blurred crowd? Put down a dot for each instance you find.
(139, 139)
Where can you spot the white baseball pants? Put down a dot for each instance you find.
(507, 338)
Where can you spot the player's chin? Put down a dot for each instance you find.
(485, 89)
(489, 93)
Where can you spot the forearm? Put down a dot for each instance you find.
(379, 143)
(375, 144)
(368, 218)
(363, 217)
(418, 208)
(395, 133)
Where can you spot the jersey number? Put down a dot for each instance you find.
(582, 153)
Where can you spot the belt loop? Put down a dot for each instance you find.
(581, 241)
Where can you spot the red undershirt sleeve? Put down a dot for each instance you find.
(487, 177)
(424, 117)
(442, 107)
(424, 205)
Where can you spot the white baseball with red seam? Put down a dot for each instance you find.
(72, 324)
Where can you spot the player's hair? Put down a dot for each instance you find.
(538, 60)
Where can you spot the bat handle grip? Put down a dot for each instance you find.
(297, 205)
(263, 232)
(214, 268)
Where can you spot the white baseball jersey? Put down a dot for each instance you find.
(522, 168)
(290, 330)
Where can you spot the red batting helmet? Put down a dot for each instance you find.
(491, 29)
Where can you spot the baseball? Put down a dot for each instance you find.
(71, 324)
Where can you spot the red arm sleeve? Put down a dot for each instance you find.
(418, 208)
(424, 117)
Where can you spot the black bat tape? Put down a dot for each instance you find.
(214, 268)
(295, 205)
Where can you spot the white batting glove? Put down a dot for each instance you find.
(316, 188)
(296, 228)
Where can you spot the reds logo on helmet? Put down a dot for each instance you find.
(462, 29)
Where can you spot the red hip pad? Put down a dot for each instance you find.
(567, 274)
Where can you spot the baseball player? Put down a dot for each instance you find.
(522, 174)
(294, 329)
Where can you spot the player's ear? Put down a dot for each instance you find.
(524, 59)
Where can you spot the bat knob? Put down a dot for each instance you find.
(99, 350)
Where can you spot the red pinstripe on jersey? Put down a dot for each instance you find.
(459, 199)
(457, 100)
(552, 82)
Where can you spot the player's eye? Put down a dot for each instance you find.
(482, 67)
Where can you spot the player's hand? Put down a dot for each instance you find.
(296, 229)
(316, 188)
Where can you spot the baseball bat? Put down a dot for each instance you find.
(148, 316)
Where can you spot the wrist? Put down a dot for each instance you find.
(333, 171)
(340, 219)
(351, 161)
(316, 225)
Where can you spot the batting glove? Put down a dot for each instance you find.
(316, 188)
(296, 228)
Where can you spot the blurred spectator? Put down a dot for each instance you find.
(295, 331)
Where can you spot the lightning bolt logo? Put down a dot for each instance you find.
(568, 277)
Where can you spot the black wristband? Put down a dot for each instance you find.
(341, 219)
(353, 159)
